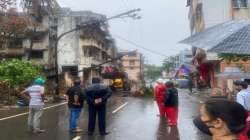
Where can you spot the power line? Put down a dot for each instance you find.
(139, 46)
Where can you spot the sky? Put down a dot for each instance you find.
(163, 24)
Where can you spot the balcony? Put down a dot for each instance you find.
(88, 61)
(12, 52)
(37, 46)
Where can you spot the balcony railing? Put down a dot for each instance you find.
(36, 46)
(88, 61)
(12, 51)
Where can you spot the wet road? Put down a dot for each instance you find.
(127, 118)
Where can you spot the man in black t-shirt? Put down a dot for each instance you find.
(75, 98)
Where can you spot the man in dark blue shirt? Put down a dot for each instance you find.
(75, 97)
(97, 95)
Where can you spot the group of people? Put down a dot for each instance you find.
(220, 118)
(227, 120)
(96, 96)
(166, 97)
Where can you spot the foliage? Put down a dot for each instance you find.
(4, 4)
(17, 72)
(148, 91)
(152, 72)
(12, 26)
(234, 57)
(168, 64)
(37, 8)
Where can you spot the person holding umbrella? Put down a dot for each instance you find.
(97, 96)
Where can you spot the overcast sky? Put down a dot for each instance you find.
(163, 24)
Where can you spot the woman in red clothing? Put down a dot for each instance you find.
(171, 104)
(159, 92)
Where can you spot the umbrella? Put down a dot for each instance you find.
(218, 35)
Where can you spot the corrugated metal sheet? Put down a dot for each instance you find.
(237, 43)
(212, 36)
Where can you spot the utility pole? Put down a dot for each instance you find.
(129, 14)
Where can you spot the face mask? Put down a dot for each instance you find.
(202, 126)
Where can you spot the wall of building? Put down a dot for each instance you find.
(216, 11)
(133, 66)
(68, 47)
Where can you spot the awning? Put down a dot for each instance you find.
(213, 36)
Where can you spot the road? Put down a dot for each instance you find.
(128, 118)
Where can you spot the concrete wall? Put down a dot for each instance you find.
(69, 51)
(216, 11)
(133, 70)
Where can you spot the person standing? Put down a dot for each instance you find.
(171, 104)
(97, 95)
(159, 92)
(243, 98)
(221, 119)
(190, 82)
(35, 95)
(75, 98)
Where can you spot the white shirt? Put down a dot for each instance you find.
(35, 93)
(243, 97)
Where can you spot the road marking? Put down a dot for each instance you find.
(119, 108)
(77, 138)
(26, 113)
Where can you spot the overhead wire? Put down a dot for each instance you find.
(139, 46)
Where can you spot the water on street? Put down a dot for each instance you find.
(128, 118)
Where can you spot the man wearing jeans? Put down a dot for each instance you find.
(36, 103)
(75, 97)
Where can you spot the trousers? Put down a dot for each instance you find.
(101, 112)
(171, 115)
(74, 116)
(34, 119)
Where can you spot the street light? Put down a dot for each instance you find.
(131, 14)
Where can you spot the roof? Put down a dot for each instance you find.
(214, 35)
(237, 43)
(86, 15)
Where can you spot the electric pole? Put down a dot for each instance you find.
(129, 14)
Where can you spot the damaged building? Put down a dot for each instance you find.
(84, 49)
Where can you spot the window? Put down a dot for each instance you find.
(240, 3)
(132, 62)
(36, 54)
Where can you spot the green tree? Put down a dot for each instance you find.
(168, 64)
(16, 72)
(152, 72)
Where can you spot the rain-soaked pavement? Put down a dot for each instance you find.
(136, 121)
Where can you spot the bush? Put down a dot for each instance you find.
(148, 91)
(16, 72)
